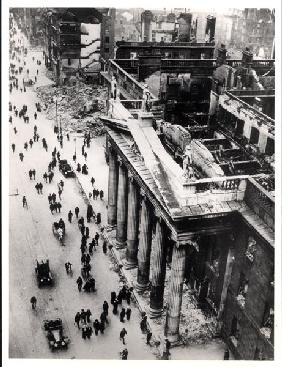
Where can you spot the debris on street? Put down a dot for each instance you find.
(79, 106)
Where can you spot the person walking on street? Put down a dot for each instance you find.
(79, 283)
(33, 173)
(106, 307)
(30, 174)
(83, 315)
(115, 308)
(13, 147)
(24, 202)
(76, 211)
(77, 319)
(113, 297)
(167, 346)
(88, 315)
(92, 181)
(122, 335)
(21, 156)
(70, 215)
(96, 326)
(33, 302)
(45, 176)
(148, 338)
(60, 193)
(122, 315)
(105, 247)
(124, 354)
(101, 194)
(128, 313)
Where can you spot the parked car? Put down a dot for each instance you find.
(65, 168)
(56, 339)
(42, 270)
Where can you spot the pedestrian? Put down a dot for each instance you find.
(24, 202)
(33, 173)
(52, 208)
(115, 308)
(128, 313)
(97, 236)
(30, 143)
(98, 218)
(106, 307)
(70, 215)
(40, 185)
(124, 354)
(226, 354)
(143, 324)
(15, 130)
(76, 210)
(60, 193)
(119, 297)
(59, 206)
(101, 194)
(82, 150)
(167, 345)
(92, 181)
(68, 137)
(105, 247)
(25, 145)
(122, 315)
(122, 335)
(128, 295)
(87, 232)
(89, 331)
(96, 326)
(68, 266)
(83, 315)
(77, 319)
(148, 338)
(35, 115)
(113, 297)
(84, 332)
(79, 283)
(30, 174)
(13, 147)
(90, 248)
(88, 315)
(33, 302)
(102, 326)
(45, 177)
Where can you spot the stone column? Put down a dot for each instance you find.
(112, 188)
(158, 270)
(175, 293)
(145, 241)
(132, 224)
(226, 282)
(121, 206)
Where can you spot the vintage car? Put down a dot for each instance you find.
(65, 168)
(59, 231)
(56, 339)
(42, 270)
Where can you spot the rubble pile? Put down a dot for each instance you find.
(79, 106)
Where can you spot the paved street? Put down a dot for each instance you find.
(31, 237)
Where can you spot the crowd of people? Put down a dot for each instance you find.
(119, 300)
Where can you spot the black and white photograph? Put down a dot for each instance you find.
(139, 158)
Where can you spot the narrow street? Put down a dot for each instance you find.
(31, 237)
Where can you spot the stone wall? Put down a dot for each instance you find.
(259, 273)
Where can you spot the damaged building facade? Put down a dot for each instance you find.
(76, 39)
(208, 213)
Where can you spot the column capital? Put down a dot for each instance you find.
(158, 216)
(131, 177)
(120, 161)
(143, 194)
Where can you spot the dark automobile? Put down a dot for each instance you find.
(42, 270)
(65, 168)
(55, 336)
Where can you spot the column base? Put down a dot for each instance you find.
(174, 339)
(155, 313)
(110, 227)
(129, 265)
(141, 287)
(120, 245)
